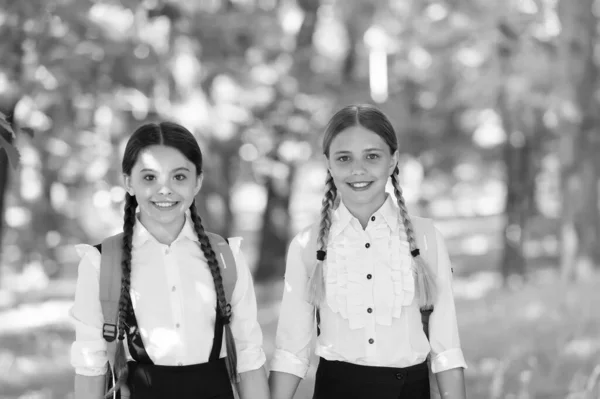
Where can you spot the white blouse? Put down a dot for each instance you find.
(370, 315)
(174, 299)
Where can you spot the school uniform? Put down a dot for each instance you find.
(371, 341)
(175, 341)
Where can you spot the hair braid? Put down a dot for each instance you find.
(316, 288)
(120, 361)
(425, 282)
(223, 307)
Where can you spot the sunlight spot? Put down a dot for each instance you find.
(17, 216)
(489, 132)
(378, 75)
(470, 57)
(102, 199)
(162, 341)
(117, 194)
(248, 197)
(31, 185)
(291, 17)
(436, 12)
(248, 152)
(420, 57)
(533, 311)
(477, 244)
(582, 347)
(288, 287)
(53, 238)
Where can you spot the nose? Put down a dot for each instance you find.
(358, 168)
(165, 189)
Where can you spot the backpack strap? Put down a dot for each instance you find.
(226, 263)
(309, 258)
(110, 293)
(426, 238)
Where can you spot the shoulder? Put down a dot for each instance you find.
(304, 244)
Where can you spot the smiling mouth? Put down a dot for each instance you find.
(360, 185)
(165, 204)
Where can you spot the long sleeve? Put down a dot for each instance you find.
(244, 326)
(296, 326)
(444, 338)
(88, 352)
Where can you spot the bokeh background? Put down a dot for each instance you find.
(495, 105)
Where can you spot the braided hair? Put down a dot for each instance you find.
(178, 137)
(374, 120)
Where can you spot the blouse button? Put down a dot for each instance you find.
(372, 218)
(167, 251)
(367, 245)
(369, 276)
(371, 340)
(399, 376)
(174, 289)
(369, 310)
(177, 325)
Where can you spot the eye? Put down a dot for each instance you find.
(149, 177)
(343, 158)
(373, 156)
(180, 177)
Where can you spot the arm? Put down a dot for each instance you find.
(283, 385)
(447, 360)
(452, 383)
(253, 384)
(87, 387)
(88, 352)
(296, 326)
(247, 332)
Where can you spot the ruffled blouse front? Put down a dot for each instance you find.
(382, 244)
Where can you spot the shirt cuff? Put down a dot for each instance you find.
(89, 358)
(286, 362)
(449, 359)
(250, 359)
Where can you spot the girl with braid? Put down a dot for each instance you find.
(177, 336)
(361, 274)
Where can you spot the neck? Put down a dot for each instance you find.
(165, 233)
(364, 211)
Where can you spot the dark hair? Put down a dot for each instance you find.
(178, 137)
(374, 120)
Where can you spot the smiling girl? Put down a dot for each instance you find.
(172, 305)
(361, 269)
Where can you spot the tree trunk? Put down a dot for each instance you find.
(578, 143)
(517, 162)
(275, 228)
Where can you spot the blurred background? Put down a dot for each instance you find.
(495, 105)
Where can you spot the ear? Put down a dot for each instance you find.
(127, 184)
(326, 163)
(393, 162)
(199, 181)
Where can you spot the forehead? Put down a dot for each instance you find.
(162, 158)
(357, 138)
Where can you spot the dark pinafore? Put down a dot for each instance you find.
(197, 381)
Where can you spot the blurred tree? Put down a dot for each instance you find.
(579, 138)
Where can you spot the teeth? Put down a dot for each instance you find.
(164, 204)
(359, 185)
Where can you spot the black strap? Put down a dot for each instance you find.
(318, 316)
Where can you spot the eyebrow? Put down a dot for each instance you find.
(174, 170)
(365, 150)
